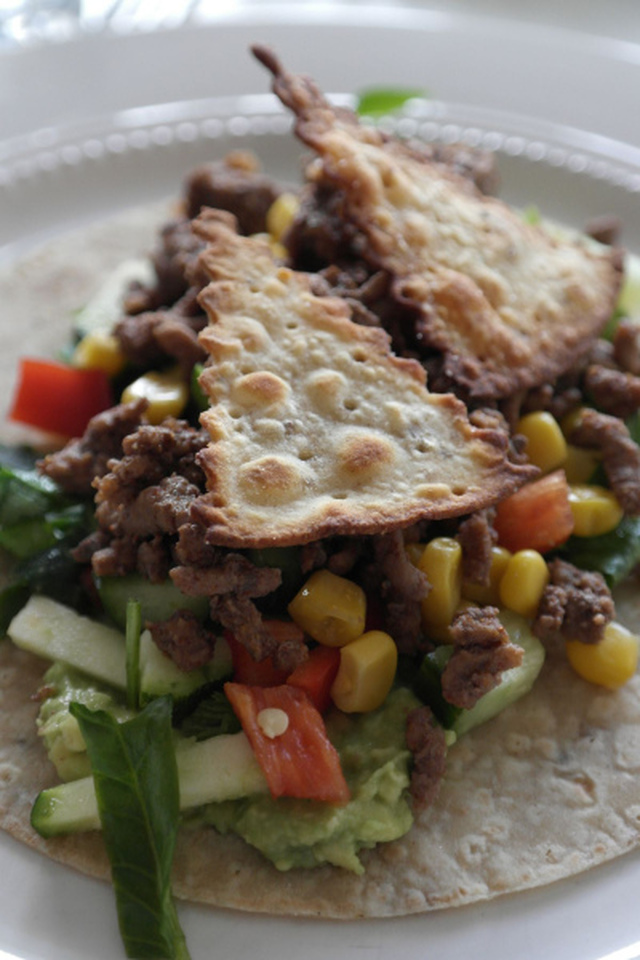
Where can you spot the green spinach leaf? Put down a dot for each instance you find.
(136, 783)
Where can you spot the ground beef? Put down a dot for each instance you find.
(234, 184)
(426, 741)
(239, 615)
(401, 588)
(184, 639)
(148, 339)
(482, 652)
(620, 454)
(144, 499)
(75, 466)
(232, 574)
(626, 345)
(576, 604)
(613, 391)
(477, 537)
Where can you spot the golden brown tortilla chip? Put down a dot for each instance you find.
(509, 305)
(317, 428)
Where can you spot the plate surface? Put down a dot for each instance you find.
(75, 152)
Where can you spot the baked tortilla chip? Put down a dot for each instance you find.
(509, 305)
(316, 427)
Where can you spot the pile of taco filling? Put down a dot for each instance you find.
(364, 427)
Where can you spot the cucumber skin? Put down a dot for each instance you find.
(55, 632)
(209, 771)
(157, 600)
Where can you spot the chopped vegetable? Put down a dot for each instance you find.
(132, 655)
(441, 562)
(523, 582)
(316, 675)
(546, 445)
(166, 393)
(301, 762)
(136, 782)
(595, 510)
(366, 673)
(609, 663)
(330, 609)
(613, 554)
(58, 398)
(537, 516)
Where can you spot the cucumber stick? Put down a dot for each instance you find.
(209, 771)
(56, 632)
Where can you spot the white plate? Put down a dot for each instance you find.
(78, 147)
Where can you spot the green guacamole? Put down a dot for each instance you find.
(305, 833)
(59, 730)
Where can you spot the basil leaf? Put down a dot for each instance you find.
(136, 782)
(377, 101)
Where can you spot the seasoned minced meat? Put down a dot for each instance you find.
(620, 454)
(482, 652)
(426, 741)
(80, 461)
(576, 604)
(235, 184)
(476, 536)
(184, 639)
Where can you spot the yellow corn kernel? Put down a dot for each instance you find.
(99, 351)
(366, 672)
(610, 662)
(441, 562)
(167, 394)
(488, 593)
(523, 582)
(330, 609)
(281, 213)
(580, 464)
(595, 509)
(546, 445)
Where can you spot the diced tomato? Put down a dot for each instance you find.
(57, 398)
(262, 673)
(537, 516)
(316, 675)
(299, 762)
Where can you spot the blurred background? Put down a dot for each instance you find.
(33, 21)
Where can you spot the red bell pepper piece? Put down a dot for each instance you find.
(299, 762)
(316, 675)
(537, 516)
(58, 398)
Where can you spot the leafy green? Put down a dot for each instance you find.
(136, 782)
(613, 554)
(212, 716)
(378, 101)
(32, 534)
